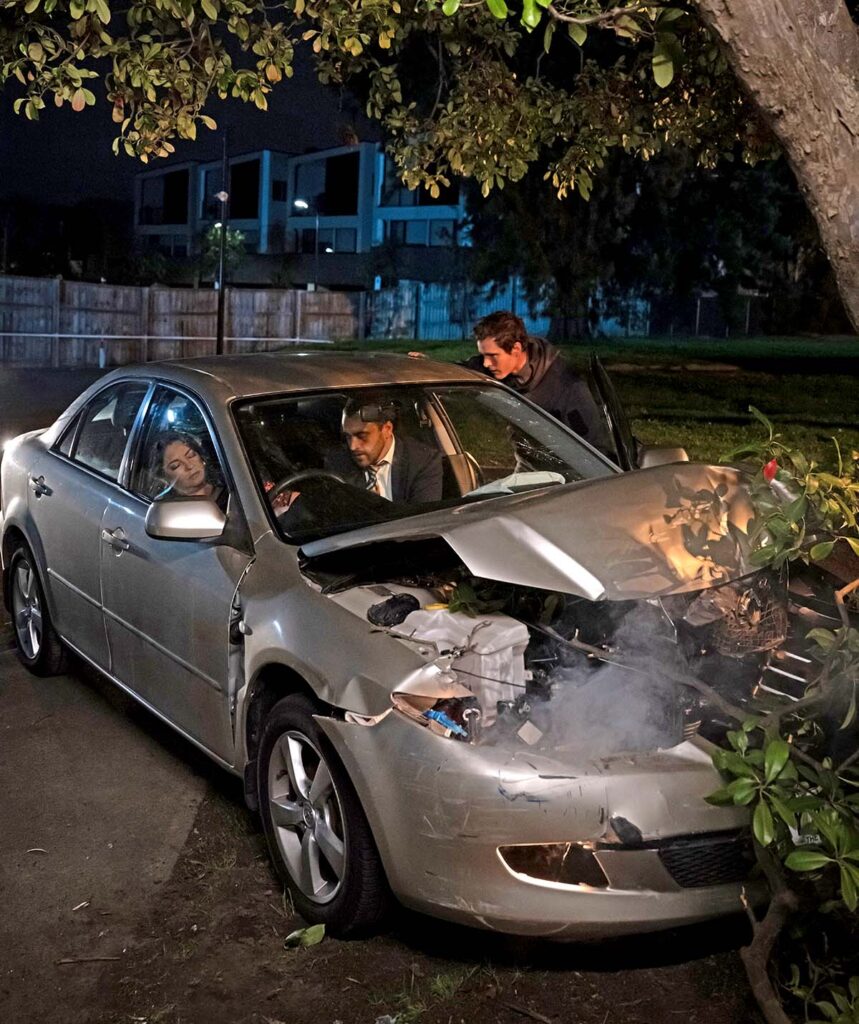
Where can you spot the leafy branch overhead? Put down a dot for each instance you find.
(472, 88)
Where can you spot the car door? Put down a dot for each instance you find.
(615, 415)
(70, 486)
(168, 603)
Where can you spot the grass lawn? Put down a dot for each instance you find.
(696, 392)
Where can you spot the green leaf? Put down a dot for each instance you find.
(783, 811)
(728, 761)
(807, 860)
(450, 7)
(497, 8)
(743, 791)
(721, 798)
(764, 555)
(824, 638)
(311, 936)
(850, 714)
(762, 824)
(854, 544)
(776, 755)
(663, 65)
(530, 15)
(821, 550)
(796, 509)
(210, 10)
(849, 890)
(578, 33)
(759, 416)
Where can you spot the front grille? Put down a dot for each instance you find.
(789, 669)
(695, 863)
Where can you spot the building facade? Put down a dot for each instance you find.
(336, 218)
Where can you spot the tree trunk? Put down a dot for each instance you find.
(799, 61)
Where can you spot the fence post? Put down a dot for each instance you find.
(228, 319)
(145, 319)
(296, 310)
(362, 316)
(55, 316)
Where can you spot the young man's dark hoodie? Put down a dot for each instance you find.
(549, 382)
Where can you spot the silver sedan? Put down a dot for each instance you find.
(441, 638)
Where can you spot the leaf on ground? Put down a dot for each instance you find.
(311, 936)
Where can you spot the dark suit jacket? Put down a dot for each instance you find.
(416, 472)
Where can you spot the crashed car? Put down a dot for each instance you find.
(477, 702)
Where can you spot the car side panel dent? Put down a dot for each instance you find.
(293, 624)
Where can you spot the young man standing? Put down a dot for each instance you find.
(536, 370)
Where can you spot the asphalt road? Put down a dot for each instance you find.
(97, 797)
(96, 807)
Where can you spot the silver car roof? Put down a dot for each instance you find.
(263, 373)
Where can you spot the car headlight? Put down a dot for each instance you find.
(434, 698)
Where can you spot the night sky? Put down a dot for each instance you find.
(65, 157)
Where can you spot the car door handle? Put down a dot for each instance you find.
(39, 487)
(116, 539)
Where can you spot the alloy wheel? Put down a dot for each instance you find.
(27, 609)
(307, 816)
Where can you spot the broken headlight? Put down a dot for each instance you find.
(435, 698)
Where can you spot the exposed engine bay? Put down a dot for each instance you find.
(507, 663)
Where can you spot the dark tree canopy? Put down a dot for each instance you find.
(480, 89)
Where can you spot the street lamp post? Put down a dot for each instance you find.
(303, 204)
(223, 198)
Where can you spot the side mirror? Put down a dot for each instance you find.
(185, 519)
(650, 457)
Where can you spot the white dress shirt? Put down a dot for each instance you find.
(383, 472)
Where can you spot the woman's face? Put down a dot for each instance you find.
(185, 469)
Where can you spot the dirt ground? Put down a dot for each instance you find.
(211, 950)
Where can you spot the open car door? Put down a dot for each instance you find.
(618, 423)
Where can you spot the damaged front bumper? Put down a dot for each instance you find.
(520, 842)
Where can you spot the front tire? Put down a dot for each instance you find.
(38, 646)
(318, 835)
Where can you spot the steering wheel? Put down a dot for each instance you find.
(288, 482)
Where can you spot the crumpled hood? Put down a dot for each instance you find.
(647, 533)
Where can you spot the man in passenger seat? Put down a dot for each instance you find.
(395, 467)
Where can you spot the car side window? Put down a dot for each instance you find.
(106, 426)
(177, 456)
(64, 447)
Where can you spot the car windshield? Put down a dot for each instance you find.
(339, 460)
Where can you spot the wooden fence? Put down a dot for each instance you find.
(51, 322)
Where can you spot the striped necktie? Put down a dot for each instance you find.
(372, 483)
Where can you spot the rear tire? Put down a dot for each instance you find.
(38, 646)
(318, 836)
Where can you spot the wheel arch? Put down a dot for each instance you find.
(271, 683)
(15, 537)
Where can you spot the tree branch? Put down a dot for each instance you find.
(765, 933)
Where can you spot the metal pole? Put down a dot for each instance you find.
(316, 251)
(224, 197)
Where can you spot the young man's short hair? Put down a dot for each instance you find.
(504, 327)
